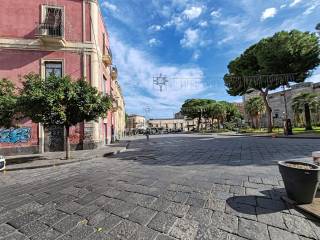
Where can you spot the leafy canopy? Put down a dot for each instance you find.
(61, 101)
(301, 100)
(292, 52)
(193, 108)
(254, 106)
(8, 101)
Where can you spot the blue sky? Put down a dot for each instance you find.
(191, 42)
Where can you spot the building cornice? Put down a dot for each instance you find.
(36, 44)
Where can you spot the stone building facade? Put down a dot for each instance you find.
(63, 37)
(136, 122)
(277, 102)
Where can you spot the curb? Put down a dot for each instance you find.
(269, 136)
(66, 163)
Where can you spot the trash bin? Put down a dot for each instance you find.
(2, 163)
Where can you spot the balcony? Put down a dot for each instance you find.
(114, 105)
(114, 72)
(107, 57)
(51, 35)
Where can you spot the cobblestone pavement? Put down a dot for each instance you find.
(172, 187)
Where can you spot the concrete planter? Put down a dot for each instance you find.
(2, 163)
(300, 184)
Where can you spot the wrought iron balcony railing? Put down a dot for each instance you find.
(114, 72)
(51, 34)
(107, 57)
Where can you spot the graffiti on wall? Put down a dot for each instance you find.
(15, 135)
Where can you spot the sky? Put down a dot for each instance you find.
(191, 42)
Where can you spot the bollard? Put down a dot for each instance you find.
(2, 163)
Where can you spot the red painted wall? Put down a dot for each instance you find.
(14, 64)
(20, 18)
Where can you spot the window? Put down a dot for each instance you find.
(54, 68)
(52, 21)
(104, 87)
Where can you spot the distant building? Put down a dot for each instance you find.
(277, 102)
(136, 122)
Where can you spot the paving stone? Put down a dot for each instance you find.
(200, 215)
(164, 237)
(33, 228)
(271, 204)
(29, 207)
(237, 190)
(15, 236)
(160, 204)
(81, 231)
(271, 218)
(278, 234)
(95, 218)
(7, 216)
(67, 223)
(144, 233)
(162, 222)
(177, 209)
(209, 232)
(70, 207)
(299, 226)
(98, 236)
(220, 188)
(142, 199)
(124, 230)
(6, 229)
(87, 210)
(123, 210)
(255, 180)
(225, 222)
(24, 220)
(184, 229)
(221, 195)
(50, 234)
(248, 200)
(242, 210)
(101, 201)
(108, 223)
(90, 197)
(195, 202)
(142, 215)
(256, 192)
(53, 217)
(216, 204)
(253, 230)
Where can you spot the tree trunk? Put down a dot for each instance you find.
(212, 124)
(218, 120)
(67, 142)
(307, 116)
(268, 109)
(199, 122)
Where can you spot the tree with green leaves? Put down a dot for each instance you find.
(8, 100)
(254, 107)
(216, 111)
(59, 101)
(285, 54)
(305, 103)
(195, 109)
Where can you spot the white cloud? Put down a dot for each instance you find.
(283, 6)
(155, 28)
(154, 42)
(311, 6)
(137, 81)
(191, 38)
(225, 40)
(109, 6)
(268, 13)
(203, 24)
(192, 12)
(314, 78)
(294, 3)
(216, 13)
(196, 55)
